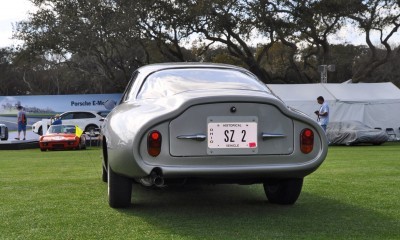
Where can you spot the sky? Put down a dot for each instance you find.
(12, 11)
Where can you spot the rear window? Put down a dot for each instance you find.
(83, 115)
(103, 113)
(173, 81)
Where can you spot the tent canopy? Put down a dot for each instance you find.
(375, 104)
(364, 92)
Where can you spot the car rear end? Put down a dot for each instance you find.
(231, 136)
(215, 140)
(232, 140)
(208, 124)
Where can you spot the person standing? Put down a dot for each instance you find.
(21, 122)
(323, 113)
(57, 120)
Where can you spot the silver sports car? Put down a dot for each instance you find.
(208, 123)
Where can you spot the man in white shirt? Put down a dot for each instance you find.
(323, 113)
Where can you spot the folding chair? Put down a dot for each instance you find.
(391, 133)
(94, 136)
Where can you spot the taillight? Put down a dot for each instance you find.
(154, 143)
(306, 140)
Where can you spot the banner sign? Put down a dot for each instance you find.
(47, 104)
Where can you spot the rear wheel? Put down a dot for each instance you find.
(283, 191)
(91, 129)
(5, 138)
(104, 174)
(119, 190)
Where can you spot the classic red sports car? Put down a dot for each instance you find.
(62, 137)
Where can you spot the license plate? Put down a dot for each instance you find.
(232, 137)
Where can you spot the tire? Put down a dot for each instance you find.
(43, 149)
(119, 190)
(104, 174)
(91, 129)
(104, 164)
(5, 134)
(283, 191)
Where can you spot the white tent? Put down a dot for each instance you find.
(375, 104)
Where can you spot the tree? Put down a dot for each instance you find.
(104, 41)
(163, 23)
(343, 56)
(95, 30)
(381, 17)
(8, 83)
(230, 23)
(388, 72)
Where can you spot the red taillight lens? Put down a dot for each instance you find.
(154, 143)
(306, 140)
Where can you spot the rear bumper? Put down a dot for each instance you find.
(235, 173)
(226, 167)
(249, 171)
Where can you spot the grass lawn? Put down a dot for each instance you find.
(59, 195)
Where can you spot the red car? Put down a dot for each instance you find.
(62, 137)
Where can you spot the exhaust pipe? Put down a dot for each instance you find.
(154, 179)
(157, 179)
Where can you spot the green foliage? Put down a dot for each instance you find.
(74, 46)
(60, 195)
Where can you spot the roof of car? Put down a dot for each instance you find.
(161, 66)
(81, 111)
(78, 111)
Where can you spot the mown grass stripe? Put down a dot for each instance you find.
(60, 195)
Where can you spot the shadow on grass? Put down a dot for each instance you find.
(232, 211)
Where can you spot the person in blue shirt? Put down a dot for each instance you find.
(21, 122)
(323, 113)
(57, 120)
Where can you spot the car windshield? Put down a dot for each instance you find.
(173, 81)
(61, 129)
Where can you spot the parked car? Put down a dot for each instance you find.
(354, 133)
(210, 123)
(89, 121)
(62, 137)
